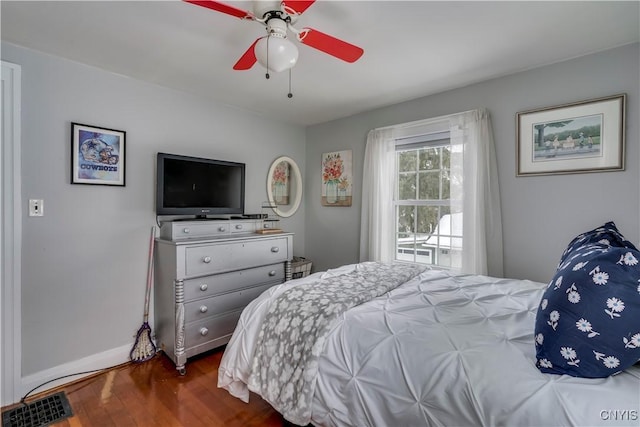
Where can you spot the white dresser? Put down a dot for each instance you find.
(203, 283)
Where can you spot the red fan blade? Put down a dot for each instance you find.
(248, 59)
(329, 44)
(221, 7)
(299, 5)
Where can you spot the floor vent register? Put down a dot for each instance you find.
(39, 413)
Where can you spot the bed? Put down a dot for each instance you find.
(436, 349)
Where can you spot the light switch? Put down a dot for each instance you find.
(36, 207)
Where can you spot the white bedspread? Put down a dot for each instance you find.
(440, 350)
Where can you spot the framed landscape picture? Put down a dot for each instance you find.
(97, 155)
(587, 136)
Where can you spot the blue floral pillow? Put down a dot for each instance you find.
(588, 322)
(607, 234)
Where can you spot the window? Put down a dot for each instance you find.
(412, 194)
(428, 219)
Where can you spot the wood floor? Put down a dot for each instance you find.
(152, 393)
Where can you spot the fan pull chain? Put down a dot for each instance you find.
(267, 75)
(290, 95)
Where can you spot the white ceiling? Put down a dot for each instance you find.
(411, 49)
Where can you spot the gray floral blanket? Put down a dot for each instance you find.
(285, 363)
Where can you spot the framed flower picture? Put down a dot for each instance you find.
(280, 183)
(337, 178)
(284, 187)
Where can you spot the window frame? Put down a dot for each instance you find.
(416, 143)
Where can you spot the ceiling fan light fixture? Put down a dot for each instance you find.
(276, 53)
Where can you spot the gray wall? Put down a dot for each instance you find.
(540, 214)
(85, 262)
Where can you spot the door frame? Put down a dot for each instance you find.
(11, 236)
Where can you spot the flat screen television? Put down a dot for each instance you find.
(197, 186)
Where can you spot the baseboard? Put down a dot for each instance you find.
(106, 359)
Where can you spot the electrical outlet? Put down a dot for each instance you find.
(36, 207)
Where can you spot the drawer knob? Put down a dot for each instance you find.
(221, 229)
(204, 287)
(204, 331)
(206, 259)
(267, 225)
(186, 230)
(203, 309)
(272, 273)
(238, 226)
(275, 249)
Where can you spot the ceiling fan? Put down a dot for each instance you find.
(274, 51)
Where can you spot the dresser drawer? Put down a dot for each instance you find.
(208, 286)
(190, 229)
(242, 227)
(201, 331)
(231, 301)
(215, 258)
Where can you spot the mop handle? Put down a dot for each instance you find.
(149, 274)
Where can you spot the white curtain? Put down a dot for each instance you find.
(474, 180)
(480, 192)
(377, 222)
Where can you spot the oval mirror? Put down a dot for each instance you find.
(284, 186)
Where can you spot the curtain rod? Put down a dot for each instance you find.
(424, 121)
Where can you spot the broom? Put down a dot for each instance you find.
(144, 348)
